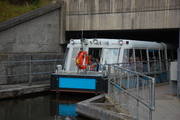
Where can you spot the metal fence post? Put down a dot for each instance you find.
(30, 72)
(153, 94)
(137, 88)
(150, 100)
(109, 71)
(109, 85)
(151, 97)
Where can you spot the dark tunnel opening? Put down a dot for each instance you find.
(158, 35)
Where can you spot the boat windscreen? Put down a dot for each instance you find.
(73, 63)
(110, 55)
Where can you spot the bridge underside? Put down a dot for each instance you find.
(159, 35)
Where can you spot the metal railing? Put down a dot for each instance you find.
(28, 70)
(132, 91)
(152, 66)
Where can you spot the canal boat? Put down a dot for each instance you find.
(86, 63)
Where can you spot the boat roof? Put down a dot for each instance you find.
(102, 42)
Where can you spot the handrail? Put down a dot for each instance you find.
(131, 86)
(28, 68)
(27, 61)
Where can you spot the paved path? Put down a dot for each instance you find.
(8, 91)
(167, 107)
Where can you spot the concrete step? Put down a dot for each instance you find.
(9, 91)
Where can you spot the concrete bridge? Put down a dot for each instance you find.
(121, 14)
(130, 19)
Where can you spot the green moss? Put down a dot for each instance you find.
(8, 11)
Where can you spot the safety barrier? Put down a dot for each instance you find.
(28, 70)
(132, 91)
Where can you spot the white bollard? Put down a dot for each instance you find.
(59, 69)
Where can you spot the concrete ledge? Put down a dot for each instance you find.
(99, 109)
(9, 91)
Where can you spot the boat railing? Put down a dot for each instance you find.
(132, 91)
(146, 67)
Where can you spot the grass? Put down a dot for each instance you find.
(8, 11)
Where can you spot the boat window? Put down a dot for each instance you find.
(66, 57)
(110, 55)
(162, 54)
(144, 55)
(75, 52)
(140, 58)
(72, 64)
(95, 52)
(128, 53)
(144, 60)
(153, 55)
(126, 56)
(163, 60)
(138, 55)
(153, 60)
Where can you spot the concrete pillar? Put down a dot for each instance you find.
(173, 78)
(62, 24)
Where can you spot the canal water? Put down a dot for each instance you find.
(46, 106)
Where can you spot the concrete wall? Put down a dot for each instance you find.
(36, 35)
(122, 14)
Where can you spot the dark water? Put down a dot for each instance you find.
(46, 106)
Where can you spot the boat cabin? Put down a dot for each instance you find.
(86, 59)
(113, 51)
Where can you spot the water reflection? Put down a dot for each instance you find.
(43, 107)
(67, 110)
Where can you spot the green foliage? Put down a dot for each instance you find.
(12, 8)
(21, 2)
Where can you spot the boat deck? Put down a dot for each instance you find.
(167, 107)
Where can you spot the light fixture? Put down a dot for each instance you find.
(107, 43)
(72, 41)
(120, 42)
(95, 41)
(85, 42)
(127, 42)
